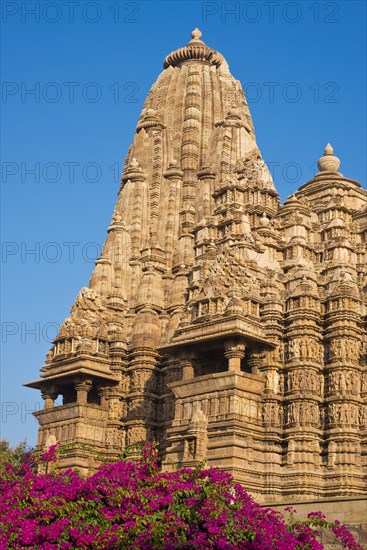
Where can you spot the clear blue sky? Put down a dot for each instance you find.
(92, 65)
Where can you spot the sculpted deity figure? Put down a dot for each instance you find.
(115, 408)
(353, 417)
(336, 348)
(272, 381)
(349, 381)
(281, 384)
(291, 451)
(342, 382)
(343, 349)
(331, 453)
(344, 414)
(354, 350)
(293, 348)
(267, 413)
(303, 348)
(332, 413)
(295, 381)
(362, 416)
(294, 413)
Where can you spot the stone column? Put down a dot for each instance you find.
(186, 363)
(103, 394)
(234, 352)
(255, 360)
(82, 390)
(49, 396)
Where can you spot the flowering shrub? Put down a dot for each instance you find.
(132, 505)
(12, 455)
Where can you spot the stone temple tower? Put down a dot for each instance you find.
(218, 322)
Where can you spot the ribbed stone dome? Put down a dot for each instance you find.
(196, 50)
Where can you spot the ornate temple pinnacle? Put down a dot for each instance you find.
(196, 34)
(195, 50)
(328, 150)
(328, 162)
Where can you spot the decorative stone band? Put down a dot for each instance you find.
(195, 50)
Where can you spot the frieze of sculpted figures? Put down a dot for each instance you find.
(115, 437)
(304, 348)
(142, 380)
(304, 380)
(303, 412)
(136, 434)
(344, 349)
(251, 409)
(343, 414)
(345, 381)
(272, 413)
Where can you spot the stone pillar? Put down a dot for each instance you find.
(103, 394)
(255, 360)
(234, 352)
(186, 363)
(82, 390)
(49, 396)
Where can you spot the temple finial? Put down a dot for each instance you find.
(328, 150)
(328, 162)
(195, 50)
(196, 34)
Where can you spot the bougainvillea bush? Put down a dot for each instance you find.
(133, 505)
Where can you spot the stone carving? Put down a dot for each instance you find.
(303, 412)
(291, 451)
(115, 409)
(342, 414)
(272, 381)
(344, 349)
(217, 321)
(303, 348)
(272, 413)
(344, 381)
(136, 434)
(304, 380)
